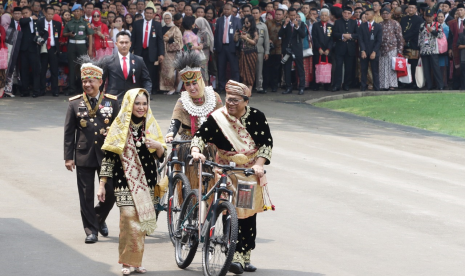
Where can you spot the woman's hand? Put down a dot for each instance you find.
(165, 38)
(168, 139)
(327, 52)
(101, 192)
(152, 144)
(320, 51)
(243, 35)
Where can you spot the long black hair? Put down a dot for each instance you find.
(253, 26)
(212, 9)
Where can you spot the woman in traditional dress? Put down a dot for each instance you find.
(392, 45)
(173, 43)
(192, 42)
(4, 51)
(133, 144)
(241, 135)
(63, 68)
(193, 107)
(206, 39)
(248, 38)
(101, 35)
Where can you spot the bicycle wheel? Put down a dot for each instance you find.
(186, 234)
(181, 189)
(218, 250)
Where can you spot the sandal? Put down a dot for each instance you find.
(126, 270)
(140, 269)
(171, 92)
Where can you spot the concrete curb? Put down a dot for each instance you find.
(373, 93)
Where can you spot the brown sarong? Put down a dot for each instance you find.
(131, 237)
(247, 65)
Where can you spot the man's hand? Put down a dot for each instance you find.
(259, 172)
(197, 155)
(347, 36)
(89, 52)
(286, 22)
(364, 55)
(296, 23)
(373, 55)
(69, 164)
(451, 54)
(160, 59)
(34, 17)
(265, 57)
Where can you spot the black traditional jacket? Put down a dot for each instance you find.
(256, 125)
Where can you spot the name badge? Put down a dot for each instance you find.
(56, 34)
(426, 41)
(80, 33)
(231, 31)
(372, 37)
(153, 34)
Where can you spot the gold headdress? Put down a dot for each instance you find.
(188, 65)
(237, 88)
(90, 71)
(93, 68)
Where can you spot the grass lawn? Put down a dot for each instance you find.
(442, 112)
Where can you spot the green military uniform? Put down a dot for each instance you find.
(76, 47)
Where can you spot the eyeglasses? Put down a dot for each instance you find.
(96, 16)
(233, 101)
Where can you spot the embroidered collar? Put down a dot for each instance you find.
(245, 116)
(199, 110)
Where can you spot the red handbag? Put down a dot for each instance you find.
(323, 71)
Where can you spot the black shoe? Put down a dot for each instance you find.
(335, 89)
(55, 95)
(35, 95)
(261, 91)
(25, 95)
(250, 268)
(92, 238)
(236, 268)
(103, 229)
(301, 91)
(274, 89)
(363, 89)
(345, 88)
(315, 88)
(288, 91)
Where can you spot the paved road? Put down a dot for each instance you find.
(353, 197)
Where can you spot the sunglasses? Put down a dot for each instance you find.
(96, 16)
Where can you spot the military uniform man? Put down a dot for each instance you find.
(77, 30)
(263, 49)
(88, 119)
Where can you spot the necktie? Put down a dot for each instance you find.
(19, 27)
(146, 35)
(125, 68)
(369, 26)
(225, 32)
(93, 102)
(461, 25)
(49, 40)
(358, 23)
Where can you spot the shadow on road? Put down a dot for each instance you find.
(26, 250)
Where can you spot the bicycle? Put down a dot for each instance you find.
(221, 220)
(177, 182)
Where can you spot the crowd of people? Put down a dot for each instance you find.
(266, 45)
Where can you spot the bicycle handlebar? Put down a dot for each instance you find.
(247, 172)
(174, 143)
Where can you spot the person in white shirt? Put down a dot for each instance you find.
(88, 8)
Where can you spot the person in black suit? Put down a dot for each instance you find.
(88, 119)
(136, 75)
(147, 42)
(345, 34)
(445, 8)
(51, 47)
(225, 46)
(30, 51)
(369, 38)
(322, 42)
(291, 35)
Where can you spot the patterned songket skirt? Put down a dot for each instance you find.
(131, 238)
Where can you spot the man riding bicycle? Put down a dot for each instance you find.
(242, 135)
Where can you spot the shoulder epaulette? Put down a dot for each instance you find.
(113, 97)
(75, 97)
